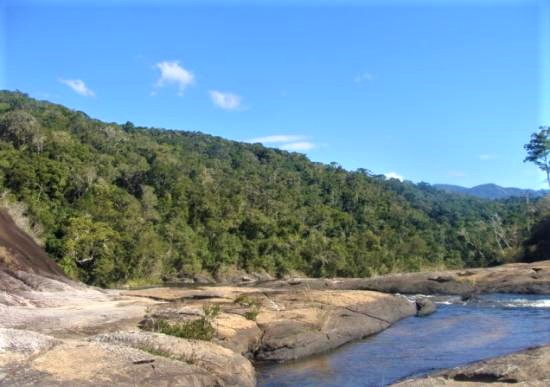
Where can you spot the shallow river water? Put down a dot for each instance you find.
(458, 333)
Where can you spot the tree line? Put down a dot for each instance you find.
(119, 203)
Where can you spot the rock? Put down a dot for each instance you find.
(424, 307)
(314, 321)
(78, 363)
(526, 278)
(19, 252)
(294, 281)
(530, 367)
(238, 334)
(232, 329)
(229, 367)
(203, 279)
(233, 275)
(291, 323)
(262, 276)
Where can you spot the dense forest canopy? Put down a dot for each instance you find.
(120, 203)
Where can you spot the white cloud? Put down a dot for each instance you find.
(78, 86)
(289, 142)
(298, 146)
(225, 100)
(365, 77)
(278, 138)
(394, 175)
(171, 73)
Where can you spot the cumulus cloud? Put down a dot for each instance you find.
(78, 86)
(171, 73)
(394, 175)
(298, 146)
(225, 100)
(289, 142)
(365, 77)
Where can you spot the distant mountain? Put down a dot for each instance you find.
(492, 191)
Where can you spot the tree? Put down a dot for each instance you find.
(538, 150)
(118, 203)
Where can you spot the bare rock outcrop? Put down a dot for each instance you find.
(19, 252)
(231, 368)
(287, 324)
(118, 359)
(526, 368)
(310, 322)
(526, 278)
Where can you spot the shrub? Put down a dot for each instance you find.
(199, 329)
(252, 313)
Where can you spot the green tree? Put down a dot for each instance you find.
(121, 203)
(89, 250)
(538, 150)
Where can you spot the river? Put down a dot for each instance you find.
(457, 333)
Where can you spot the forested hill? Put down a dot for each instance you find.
(493, 191)
(118, 203)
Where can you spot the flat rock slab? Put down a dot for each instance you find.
(526, 368)
(63, 307)
(526, 278)
(290, 324)
(197, 293)
(122, 359)
(231, 368)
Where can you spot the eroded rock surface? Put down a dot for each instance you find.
(526, 368)
(231, 368)
(79, 363)
(288, 324)
(63, 307)
(527, 278)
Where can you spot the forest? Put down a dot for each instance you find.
(116, 204)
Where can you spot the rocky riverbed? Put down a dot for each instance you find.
(54, 331)
(526, 278)
(57, 332)
(288, 324)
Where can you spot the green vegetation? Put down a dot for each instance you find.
(120, 203)
(198, 329)
(537, 247)
(252, 313)
(252, 303)
(246, 300)
(538, 150)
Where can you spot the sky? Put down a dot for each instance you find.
(434, 91)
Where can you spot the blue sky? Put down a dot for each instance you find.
(431, 92)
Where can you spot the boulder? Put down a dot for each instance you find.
(309, 322)
(527, 368)
(424, 307)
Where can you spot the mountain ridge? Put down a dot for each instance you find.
(492, 191)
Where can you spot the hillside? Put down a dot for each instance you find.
(492, 191)
(121, 203)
